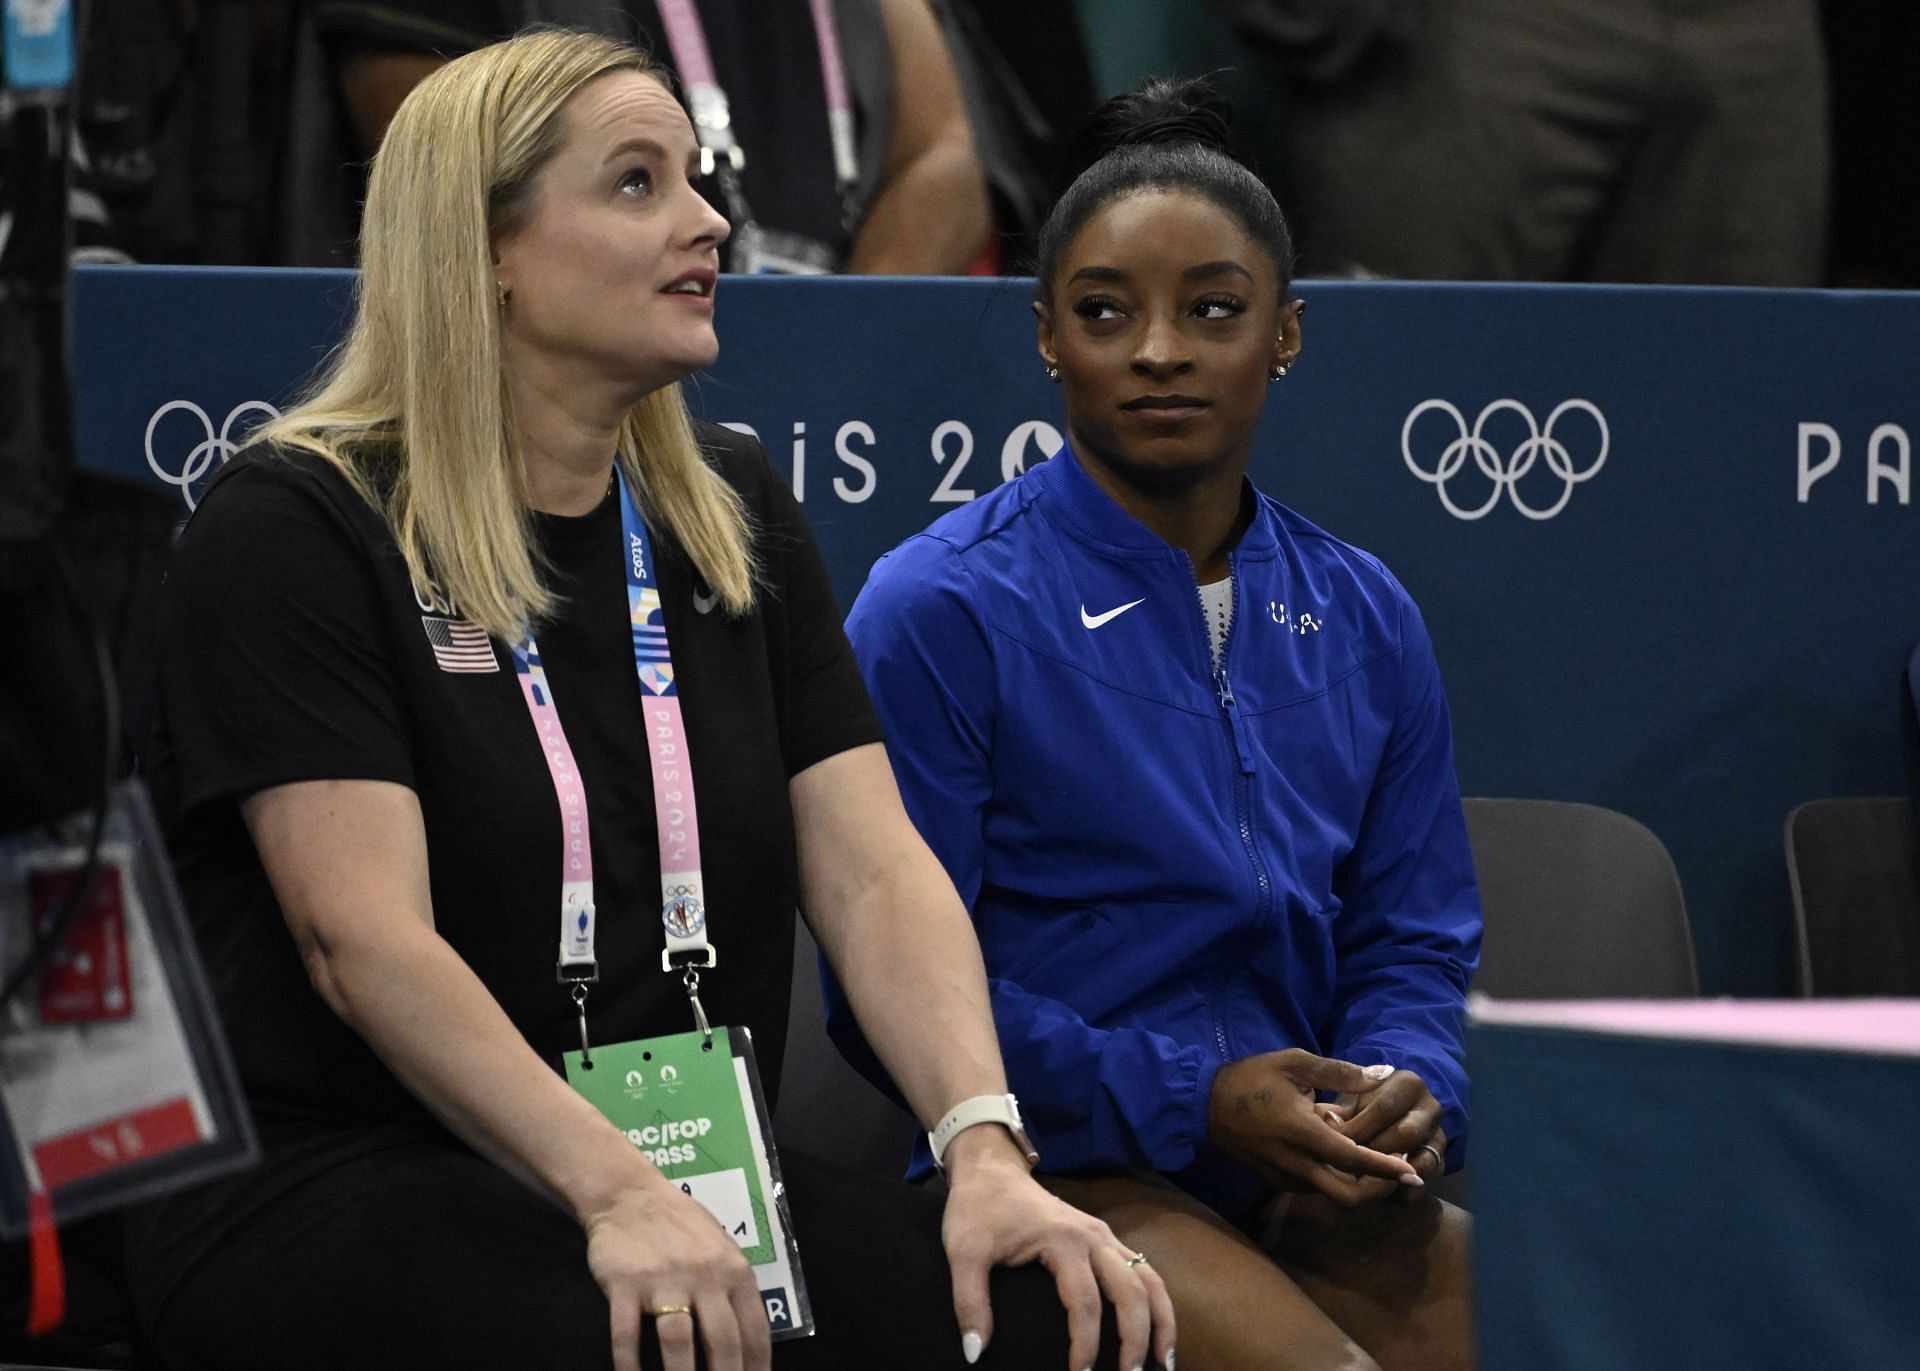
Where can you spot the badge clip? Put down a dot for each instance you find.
(692, 981)
(580, 1003)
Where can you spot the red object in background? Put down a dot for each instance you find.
(86, 979)
(989, 261)
(47, 1295)
(100, 1147)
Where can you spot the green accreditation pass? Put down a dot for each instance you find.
(695, 1107)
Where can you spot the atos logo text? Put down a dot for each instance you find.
(1889, 461)
(185, 463)
(1502, 469)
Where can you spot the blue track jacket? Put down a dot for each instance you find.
(1172, 867)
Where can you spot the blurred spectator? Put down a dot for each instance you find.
(1045, 51)
(1574, 140)
(1129, 41)
(1872, 46)
(174, 120)
(902, 192)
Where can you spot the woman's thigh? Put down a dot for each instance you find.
(426, 1254)
(1237, 1309)
(1397, 1276)
(882, 1291)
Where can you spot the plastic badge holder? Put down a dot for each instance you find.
(709, 1132)
(115, 1080)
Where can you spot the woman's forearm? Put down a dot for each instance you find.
(422, 1009)
(887, 918)
(906, 955)
(348, 863)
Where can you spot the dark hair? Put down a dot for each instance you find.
(1166, 135)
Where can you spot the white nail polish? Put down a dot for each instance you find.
(1379, 1072)
(970, 1346)
(1170, 1365)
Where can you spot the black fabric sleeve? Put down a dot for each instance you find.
(276, 662)
(446, 27)
(824, 707)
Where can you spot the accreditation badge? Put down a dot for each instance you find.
(115, 1081)
(694, 1105)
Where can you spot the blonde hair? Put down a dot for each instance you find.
(416, 391)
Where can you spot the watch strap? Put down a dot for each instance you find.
(1000, 1109)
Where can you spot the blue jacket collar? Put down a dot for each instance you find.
(1064, 486)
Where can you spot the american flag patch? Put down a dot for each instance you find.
(459, 645)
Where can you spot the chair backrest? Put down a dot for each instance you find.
(1856, 896)
(827, 1109)
(1581, 902)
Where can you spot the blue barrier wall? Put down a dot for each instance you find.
(1690, 583)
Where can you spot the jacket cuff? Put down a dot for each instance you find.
(1200, 1107)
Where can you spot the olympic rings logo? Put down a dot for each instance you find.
(1506, 473)
(201, 455)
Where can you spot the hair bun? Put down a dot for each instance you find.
(1159, 110)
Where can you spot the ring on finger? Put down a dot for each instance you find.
(1438, 1160)
(664, 1310)
(1136, 1259)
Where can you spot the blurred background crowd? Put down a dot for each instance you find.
(1760, 142)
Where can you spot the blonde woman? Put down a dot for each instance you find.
(367, 811)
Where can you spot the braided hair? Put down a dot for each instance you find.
(1164, 136)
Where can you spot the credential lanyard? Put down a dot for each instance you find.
(713, 117)
(683, 909)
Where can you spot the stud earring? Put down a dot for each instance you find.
(1279, 370)
(500, 294)
(1053, 373)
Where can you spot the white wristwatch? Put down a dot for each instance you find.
(1000, 1109)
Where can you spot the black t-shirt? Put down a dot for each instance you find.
(294, 648)
(765, 56)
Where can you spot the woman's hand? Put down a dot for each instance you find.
(998, 1215)
(1262, 1114)
(1398, 1116)
(653, 1249)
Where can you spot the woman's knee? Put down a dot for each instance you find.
(1236, 1309)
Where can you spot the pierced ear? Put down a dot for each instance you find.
(1043, 334)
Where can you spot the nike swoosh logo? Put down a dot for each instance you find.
(705, 603)
(1095, 620)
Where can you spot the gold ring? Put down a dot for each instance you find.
(667, 1309)
(1136, 1259)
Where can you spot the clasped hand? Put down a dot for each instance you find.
(1263, 1114)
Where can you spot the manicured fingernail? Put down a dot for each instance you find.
(1170, 1366)
(1378, 1073)
(970, 1346)
(1410, 1178)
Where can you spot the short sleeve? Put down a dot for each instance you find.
(824, 706)
(275, 659)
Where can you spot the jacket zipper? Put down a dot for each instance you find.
(1242, 751)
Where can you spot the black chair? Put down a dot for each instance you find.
(1580, 902)
(1856, 896)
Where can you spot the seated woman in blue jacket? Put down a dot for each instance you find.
(1187, 759)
